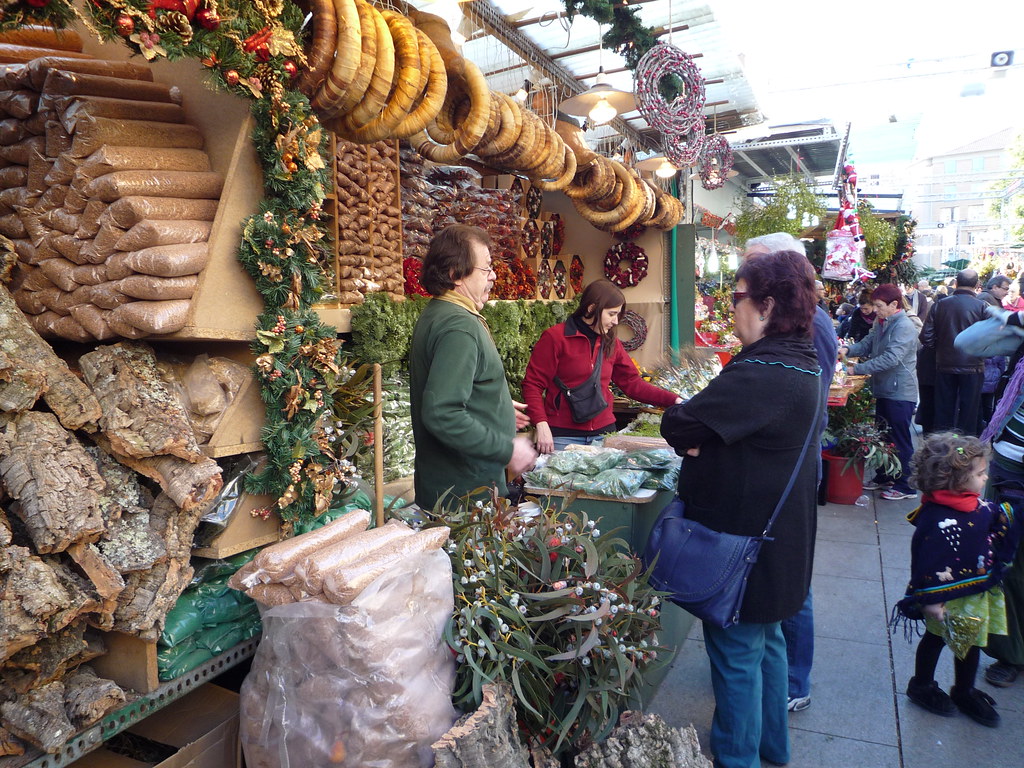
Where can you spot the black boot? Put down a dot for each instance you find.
(931, 697)
(977, 705)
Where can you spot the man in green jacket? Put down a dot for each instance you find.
(464, 420)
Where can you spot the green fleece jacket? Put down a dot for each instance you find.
(463, 421)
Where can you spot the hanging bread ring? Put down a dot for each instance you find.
(567, 176)
(377, 91)
(633, 214)
(572, 135)
(525, 144)
(622, 215)
(554, 168)
(347, 53)
(433, 97)
(651, 200)
(404, 94)
(367, 60)
(467, 135)
(592, 182)
(442, 128)
(511, 126)
(321, 48)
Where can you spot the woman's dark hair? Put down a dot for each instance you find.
(788, 279)
(864, 297)
(887, 293)
(595, 299)
(944, 461)
(449, 259)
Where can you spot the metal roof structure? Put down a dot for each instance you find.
(811, 151)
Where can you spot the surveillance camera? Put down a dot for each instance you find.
(1002, 58)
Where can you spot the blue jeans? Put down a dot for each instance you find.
(562, 442)
(799, 633)
(897, 415)
(748, 675)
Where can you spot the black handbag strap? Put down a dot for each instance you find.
(799, 463)
(595, 375)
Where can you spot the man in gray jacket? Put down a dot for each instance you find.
(889, 353)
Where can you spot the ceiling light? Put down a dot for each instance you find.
(599, 94)
(666, 170)
(602, 111)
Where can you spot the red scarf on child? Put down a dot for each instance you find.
(961, 501)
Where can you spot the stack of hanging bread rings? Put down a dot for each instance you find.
(376, 75)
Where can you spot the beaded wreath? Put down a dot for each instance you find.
(686, 110)
(712, 174)
(625, 253)
(639, 328)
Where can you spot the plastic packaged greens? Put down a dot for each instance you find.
(585, 462)
(619, 483)
(655, 458)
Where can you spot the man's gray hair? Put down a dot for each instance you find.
(997, 281)
(777, 241)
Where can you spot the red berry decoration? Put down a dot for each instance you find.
(290, 69)
(625, 264)
(124, 24)
(208, 19)
(38, 3)
(231, 76)
(263, 53)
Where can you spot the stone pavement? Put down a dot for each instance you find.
(860, 716)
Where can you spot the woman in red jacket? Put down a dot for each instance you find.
(568, 351)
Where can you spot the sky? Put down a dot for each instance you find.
(873, 62)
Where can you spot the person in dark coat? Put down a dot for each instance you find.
(958, 376)
(741, 438)
(864, 317)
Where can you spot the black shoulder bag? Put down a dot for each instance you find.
(706, 571)
(586, 401)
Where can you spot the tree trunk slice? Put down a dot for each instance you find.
(57, 482)
(68, 397)
(486, 738)
(142, 415)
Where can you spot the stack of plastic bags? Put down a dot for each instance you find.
(606, 471)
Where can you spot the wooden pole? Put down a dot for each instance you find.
(378, 446)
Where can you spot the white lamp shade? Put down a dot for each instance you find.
(583, 103)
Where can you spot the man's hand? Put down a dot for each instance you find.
(524, 456)
(936, 611)
(522, 420)
(545, 442)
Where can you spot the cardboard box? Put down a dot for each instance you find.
(203, 726)
(244, 531)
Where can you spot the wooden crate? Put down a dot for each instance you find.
(129, 661)
(243, 531)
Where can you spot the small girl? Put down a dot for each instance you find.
(960, 548)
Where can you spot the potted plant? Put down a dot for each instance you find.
(852, 450)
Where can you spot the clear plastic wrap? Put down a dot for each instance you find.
(367, 685)
(655, 458)
(620, 483)
(589, 462)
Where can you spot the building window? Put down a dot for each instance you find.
(976, 213)
(949, 192)
(979, 164)
(950, 166)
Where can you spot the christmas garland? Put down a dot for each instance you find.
(576, 273)
(686, 111)
(715, 162)
(639, 328)
(317, 406)
(631, 254)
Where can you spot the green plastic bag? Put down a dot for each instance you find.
(229, 607)
(181, 664)
(584, 462)
(663, 480)
(220, 638)
(183, 621)
(654, 458)
(206, 569)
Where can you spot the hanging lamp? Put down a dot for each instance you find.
(602, 101)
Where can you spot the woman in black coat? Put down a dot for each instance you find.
(741, 438)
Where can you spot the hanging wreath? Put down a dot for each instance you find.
(684, 150)
(531, 238)
(560, 279)
(625, 253)
(686, 111)
(632, 232)
(639, 327)
(534, 198)
(576, 273)
(545, 280)
(715, 162)
(411, 268)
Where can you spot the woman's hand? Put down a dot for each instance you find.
(545, 442)
(936, 611)
(522, 420)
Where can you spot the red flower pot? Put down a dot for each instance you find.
(844, 485)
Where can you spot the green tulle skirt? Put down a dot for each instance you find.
(970, 620)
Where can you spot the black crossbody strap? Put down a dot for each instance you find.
(799, 463)
(595, 375)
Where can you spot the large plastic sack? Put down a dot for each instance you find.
(586, 462)
(618, 483)
(367, 685)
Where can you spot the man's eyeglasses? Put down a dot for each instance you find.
(737, 297)
(488, 270)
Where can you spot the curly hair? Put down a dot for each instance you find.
(787, 278)
(945, 460)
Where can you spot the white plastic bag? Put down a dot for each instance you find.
(367, 685)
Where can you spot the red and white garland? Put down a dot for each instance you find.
(626, 253)
(639, 327)
(686, 110)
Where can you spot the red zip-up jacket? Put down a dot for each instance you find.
(565, 352)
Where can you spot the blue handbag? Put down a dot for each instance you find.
(706, 571)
